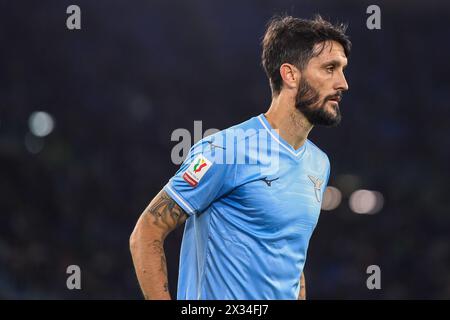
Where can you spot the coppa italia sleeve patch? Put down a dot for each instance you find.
(197, 170)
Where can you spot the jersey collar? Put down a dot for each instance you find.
(274, 134)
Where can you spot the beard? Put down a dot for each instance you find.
(308, 102)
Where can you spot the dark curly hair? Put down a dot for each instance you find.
(292, 40)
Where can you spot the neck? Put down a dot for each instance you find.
(291, 124)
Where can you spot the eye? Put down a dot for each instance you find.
(330, 68)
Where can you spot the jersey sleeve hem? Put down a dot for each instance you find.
(182, 202)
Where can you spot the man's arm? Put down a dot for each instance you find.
(302, 293)
(147, 244)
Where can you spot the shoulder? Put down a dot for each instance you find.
(318, 154)
(226, 143)
(230, 135)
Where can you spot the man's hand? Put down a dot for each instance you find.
(147, 244)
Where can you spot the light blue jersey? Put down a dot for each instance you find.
(253, 202)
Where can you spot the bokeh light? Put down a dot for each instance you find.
(366, 201)
(41, 123)
(331, 199)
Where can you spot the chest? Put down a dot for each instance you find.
(285, 201)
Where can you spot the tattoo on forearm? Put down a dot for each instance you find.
(159, 249)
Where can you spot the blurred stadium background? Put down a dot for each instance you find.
(86, 119)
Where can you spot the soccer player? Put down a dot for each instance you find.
(251, 194)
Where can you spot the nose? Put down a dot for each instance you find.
(341, 83)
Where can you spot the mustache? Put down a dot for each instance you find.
(337, 96)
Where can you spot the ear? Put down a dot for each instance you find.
(290, 75)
